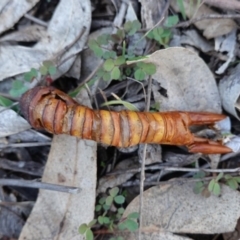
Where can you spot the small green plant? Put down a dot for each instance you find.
(20, 86)
(109, 219)
(214, 186)
(115, 64)
(232, 182)
(163, 34)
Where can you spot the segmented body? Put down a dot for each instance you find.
(50, 109)
(56, 112)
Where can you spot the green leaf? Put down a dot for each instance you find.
(114, 191)
(27, 76)
(200, 174)
(121, 210)
(182, 9)
(48, 63)
(83, 228)
(136, 24)
(18, 88)
(89, 234)
(98, 208)
(149, 68)
(103, 39)
(119, 199)
(232, 183)
(106, 220)
(139, 74)
(131, 225)
(98, 51)
(106, 76)
(198, 188)
(106, 207)
(133, 215)
(127, 26)
(227, 176)
(216, 189)
(52, 70)
(92, 44)
(93, 222)
(100, 220)
(109, 200)
(127, 105)
(115, 73)
(108, 65)
(211, 185)
(157, 32)
(122, 226)
(102, 200)
(219, 176)
(120, 60)
(237, 179)
(5, 102)
(171, 21)
(43, 70)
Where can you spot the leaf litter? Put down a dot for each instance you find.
(186, 79)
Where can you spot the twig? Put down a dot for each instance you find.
(36, 20)
(142, 178)
(203, 17)
(176, 169)
(33, 184)
(31, 144)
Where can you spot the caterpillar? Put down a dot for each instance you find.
(50, 109)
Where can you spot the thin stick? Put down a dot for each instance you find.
(31, 144)
(41, 185)
(142, 178)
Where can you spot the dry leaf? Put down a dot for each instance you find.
(11, 122)
(229, 88)
(30, 33)
(68, 21)
(189, 83)
(152, 11)
(12, 10)
(173, 207)
(211, 27)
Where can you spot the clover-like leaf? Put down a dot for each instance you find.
(134, 215)
(216, 189)
(83, 228)
(43, 70)
(232, 183)
(109, 200)
(108, 65)
(89, 234)
(115, 73)
(171, 21)
(139, 74)
(149, 68)
(131, 225)
(106, 76)
(114, 191)
(119, 199)
(52, 70)
(120, 60)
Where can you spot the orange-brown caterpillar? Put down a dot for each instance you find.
(50, 109)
